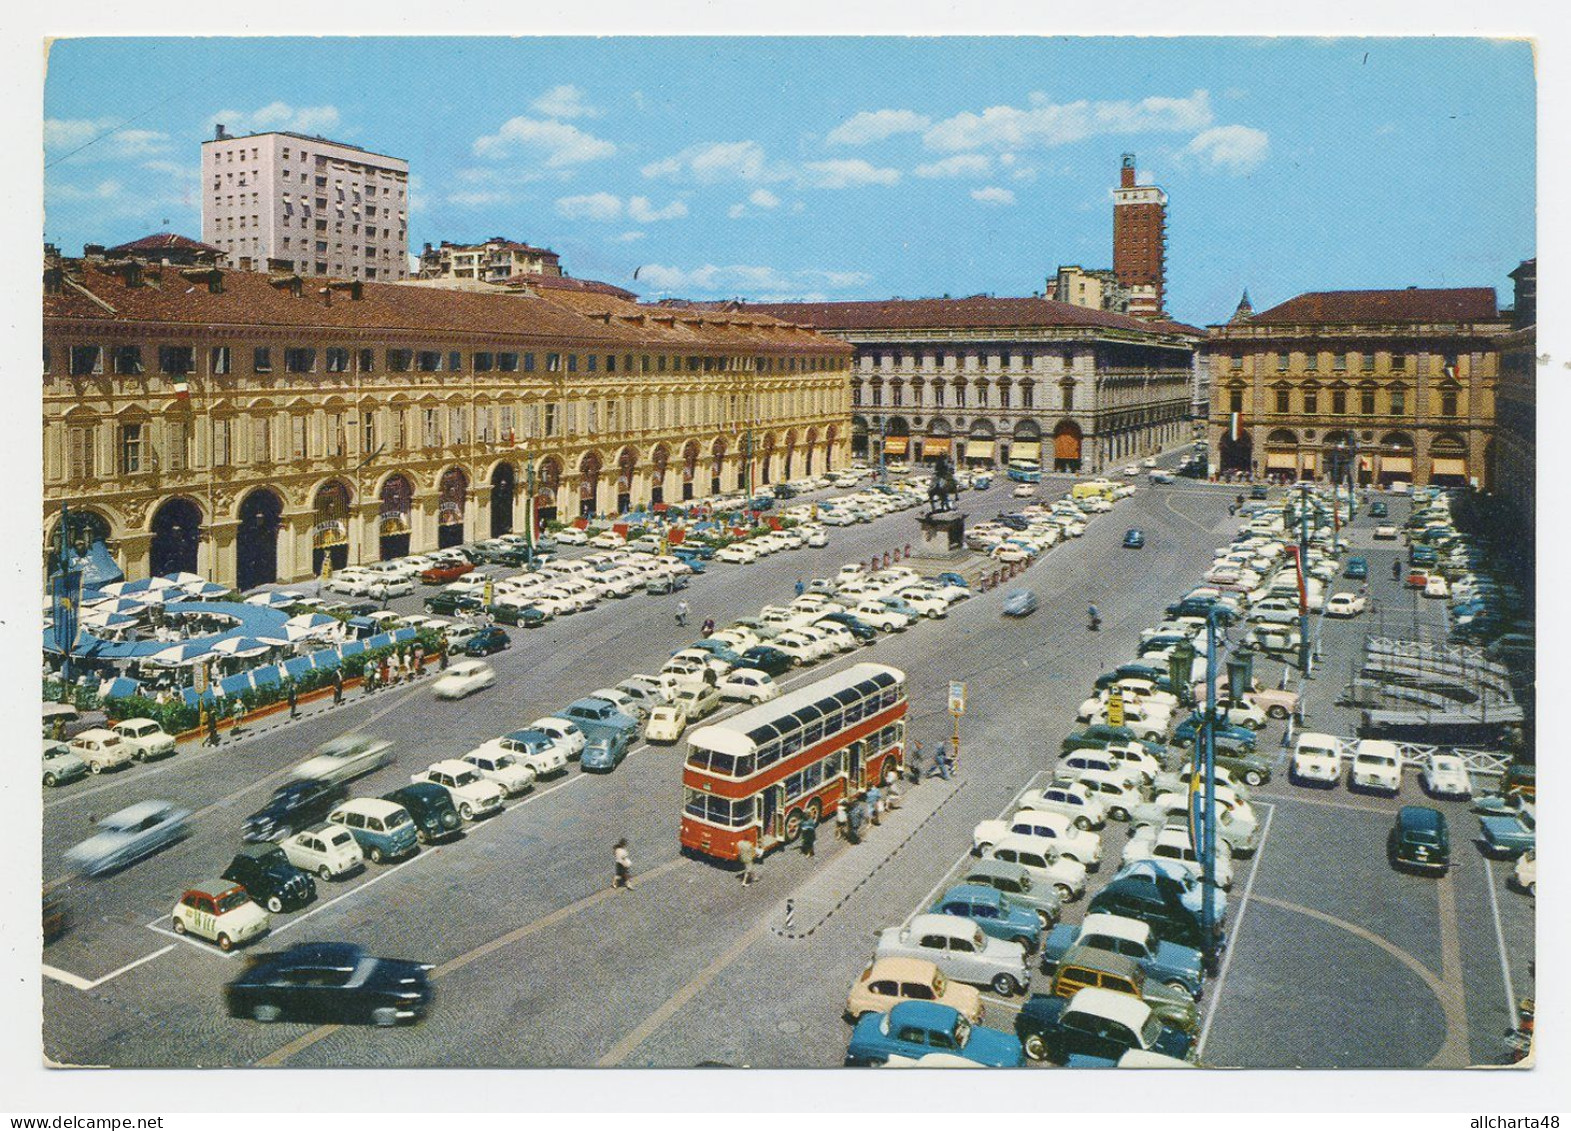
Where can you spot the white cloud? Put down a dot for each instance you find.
(713, 162)
(768, 283)
(560, 143)
(627, 237)
(565, 101)
(876, 125)
(846, 174)
(592, 206)
(993, 195)
(477, 198)
(736, 211)
(173, 169)
(607, 207)
(278, 116)
(62, 135)
(1047, 123)
(960, 165)
(1232, 149)
(763, 198)
(103, 190)
(639, 209)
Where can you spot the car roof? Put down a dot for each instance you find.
(214, 888)
(1118, 926)
(925, 1014)
(974, 891)
(916, 969)
(1125, 1008)
(137, 812)
(97, 733)
(942, 924)
(372, 806)
(1083, 955)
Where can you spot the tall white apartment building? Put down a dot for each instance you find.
(285, 201)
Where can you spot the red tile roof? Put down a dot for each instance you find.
(163, 241)
(538, 281)
(586, 317)
(1450, 304)
(978, 312)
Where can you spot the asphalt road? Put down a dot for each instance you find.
(540, 962)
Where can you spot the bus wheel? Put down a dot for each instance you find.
(793, 825)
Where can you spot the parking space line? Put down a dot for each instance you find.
(1455, 1052)
(81, 983)
(1238, 925)
(204, 947)
(1297, 800)
(1500, 941)
(424, 854)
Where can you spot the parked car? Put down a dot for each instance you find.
(1345, 604)
(917, 1029)
(345, 758)
(514, 765)
(471, 793)
(124, 837)
(102, 749)
(1376, 766)
(490, 639)
(446, 572)
(886, 982)
(1317, 760)
(666, 723)
(1016, 883)
(146, 739)
(523, 615)
(1420, 841)
(993, 911)
(605, 751)
(268, 876)
(431, 808)
(335, 983)
(464, 679)
(60, 765)
(448, 603)
(1181, 967)
(1445, 775)
(597, 717)
(1083, 966)
(1072, 799)
(566, 735)
(1096, 1023)
(1070, 841)
(1155, 899)
(221, 912)
(1511, 835)
(1039, 855)
(326, 850)
(1356, 569)
(383, 829)
(748, 685)
(961, 950)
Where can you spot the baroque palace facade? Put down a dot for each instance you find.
(250, 428)
(984, 380)
(1402, 381)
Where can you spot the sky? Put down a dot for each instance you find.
(850, 168)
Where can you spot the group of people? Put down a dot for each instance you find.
(401, 665)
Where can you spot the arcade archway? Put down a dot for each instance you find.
(504, 486)
(330, 527)
(393, 521)
(177, 529)
(256, 541)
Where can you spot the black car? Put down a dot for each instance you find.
(1015, 521)
(1049, 1028)
(431, 808)
(488, 640)
(1378, 509)
(771, 661)
(784, 491)
(1199, 607)
(860, 629)
(1421, 841)
(1258, 491)
(330, 982)
(269, 878)
(1157, 904)
(450, 603)
(1157, 674)
(527, 616)
(294, 806)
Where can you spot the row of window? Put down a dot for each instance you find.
(1342, 362)
(1008, 360)
(88, 360)
(1446, 399)
(1005, 398)
(847, 712)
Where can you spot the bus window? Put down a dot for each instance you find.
(812, 777)
(833, 722)
(721, 763)
(695, 802)
(813, 733)
(831, 765)
(888, 699)
(795, 786)
(719, 811)
(698, 759)
(768, 755)
(744, 766)
(853, 712)
(791, 743)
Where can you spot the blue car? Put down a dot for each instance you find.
(717, 649)
(916, 1028)
(599, 717)
(1178, 966)
(1020, 603)
(948, 578)
(1189, 731)
(993, 911)
(1134, 539)
(605, 752)
(1357, 569)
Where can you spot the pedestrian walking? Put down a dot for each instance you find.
(419, 659)
(338, 687)
(809, 834)
(854, 823)
(840, 822)
(239, 714)
(915, 760)
(941, 767)
(212, 727)
(59, 728)
(709, 627)
(681, 614)
(891, 789)
(441, 655)
(294, 701)
(800, 587)
(1396, 570)
(746, 853)
(624, 865)
(875, 803)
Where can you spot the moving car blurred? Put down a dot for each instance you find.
(345, 758)
(125, 837)
(330, 982)
(464, 679)
(1020, 603)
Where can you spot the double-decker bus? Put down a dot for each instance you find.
(755, 775)
(1025, 471)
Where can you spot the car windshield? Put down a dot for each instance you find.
(232, 900)
(1150, 1032)
(502, 761)
(962, 1032)
(396, 819)
(469, 778)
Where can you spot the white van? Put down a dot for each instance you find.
(1317, 759)
(1377, 765)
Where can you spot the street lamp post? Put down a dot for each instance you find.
(1303, 579)
(1208, 822)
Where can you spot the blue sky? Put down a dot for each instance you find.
(854, 168)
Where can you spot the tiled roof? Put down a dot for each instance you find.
(978, 312)
(1450, 304)
(538, 281)
(163, 241)
(181, 296)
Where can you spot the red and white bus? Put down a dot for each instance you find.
(755, 775)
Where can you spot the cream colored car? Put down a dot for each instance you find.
(886, 982)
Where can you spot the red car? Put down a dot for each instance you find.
(442, 574)
(1417, 579)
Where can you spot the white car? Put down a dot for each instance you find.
(1070, 839)
(387, 587)
(1023, 491)
(472, 794)
(1445, 775)
(629, 705)
(1173, 843)
(1040, 857)
(749, 685)
(607, 540)
(1317, 760)
(1345, 605)
(569, 739)
(327, 850)
(928, 604)
(1377, 765)
(817, 538)
(146, 739)
(666, 723)
(802, 646)
(571, 536)
(344, 758)
(464, 679)
(647, 691)
(507, 771)
(1385, 532)
(880, 617)
(738, 553)
(1436, 586)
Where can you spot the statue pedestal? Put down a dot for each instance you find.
(943, 539)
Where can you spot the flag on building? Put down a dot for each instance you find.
(182, 389)
(1234, 428)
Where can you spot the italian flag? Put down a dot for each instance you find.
(182, 388)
